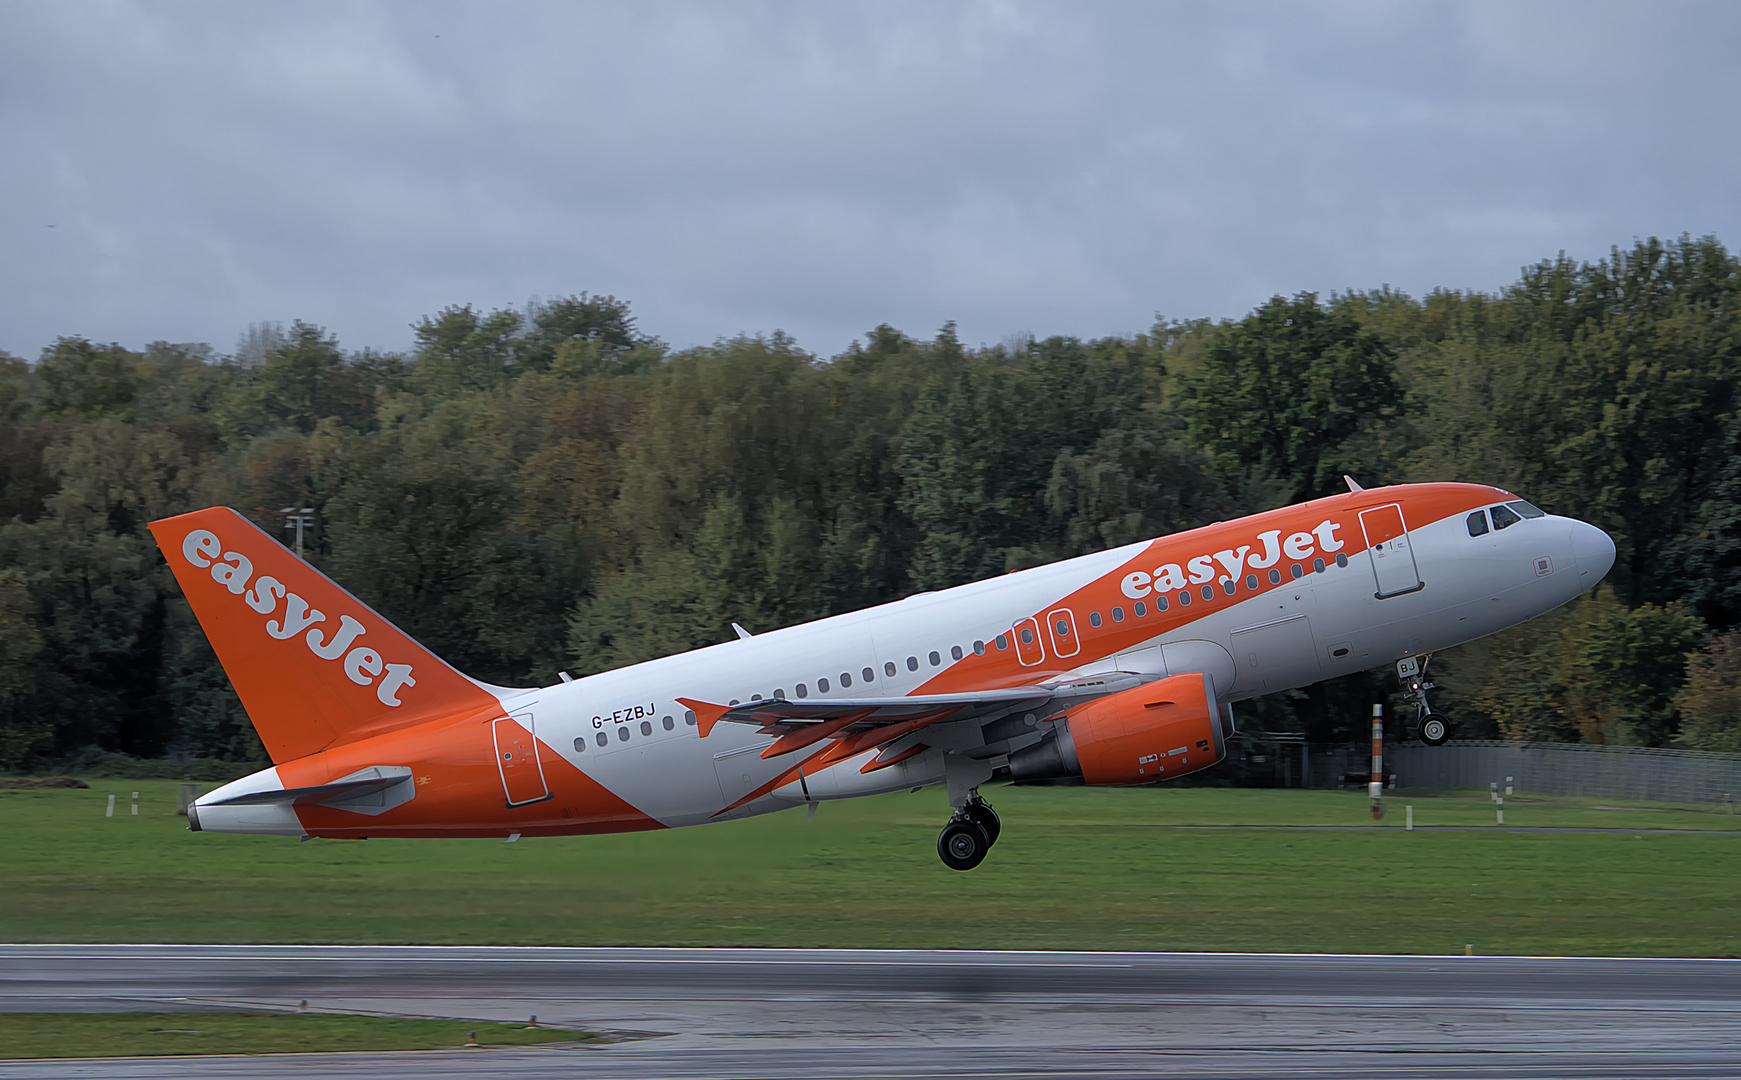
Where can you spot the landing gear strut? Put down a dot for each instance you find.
(1432, 728)
(969, 835)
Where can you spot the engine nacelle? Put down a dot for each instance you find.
(1157, 731)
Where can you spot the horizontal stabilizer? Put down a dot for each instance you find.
(370, 781)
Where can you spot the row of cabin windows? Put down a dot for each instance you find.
(1162, 602)
(603, 738)
(869, 675)
(1505, 515)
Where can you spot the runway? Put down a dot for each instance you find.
(813, 1013)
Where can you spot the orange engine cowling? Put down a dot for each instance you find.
(1157, 731)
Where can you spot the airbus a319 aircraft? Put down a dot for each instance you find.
(1118, 667)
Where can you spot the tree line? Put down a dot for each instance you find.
(535, 490)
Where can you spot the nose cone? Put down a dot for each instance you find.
(1594, 552)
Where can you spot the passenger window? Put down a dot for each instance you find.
(1525, 509)
(935, 659)
(779, 695)
(580, 745)
(803, 691)
(1503, 517)
(755, 697)
(1184, 598)
(1208, 592)
(955, 652)
(979, 648)
(668, 722)
(889, 669)
(912, 663)
(1027, 636)
(869, 674)
(845, 680)
(1002, 642)
(1251, 583)
(1094, 618)
(1275, 576)
(1141, 609)
(822, 686)
(1478, 523)
(1317, 566)
(689, 716)
(1341, 559)
(646, 727)
(1117, 614)
(602, 739)
(1297, 570)
(1063, 628)
(623, 733)
(1228, 585)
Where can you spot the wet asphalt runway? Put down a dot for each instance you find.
(802, 1013)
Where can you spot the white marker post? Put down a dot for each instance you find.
(135, 804)
(1376, 787)
(1508, 785)
(110, 812)
(1501, 820)
(1409, 818)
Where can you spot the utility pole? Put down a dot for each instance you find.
(298, 520)
(1376, 787)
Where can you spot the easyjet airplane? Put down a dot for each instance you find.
(1118, 668)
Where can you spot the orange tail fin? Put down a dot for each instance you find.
(313, 665)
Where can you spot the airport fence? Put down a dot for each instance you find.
(1599, 772)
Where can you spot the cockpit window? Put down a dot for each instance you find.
(1478, 523)
(1525, 509)
(1503, 517)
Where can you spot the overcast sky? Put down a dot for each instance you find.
(175, 171)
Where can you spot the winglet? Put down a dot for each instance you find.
(743, 635)
(706, 714)
(1352, 484)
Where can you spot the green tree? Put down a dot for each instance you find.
(463, 349)
(80, 377)
(982, 444)
(1710, 701)
(1594, 671)
(1296, 392)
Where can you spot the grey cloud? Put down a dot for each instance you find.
(1055, 168)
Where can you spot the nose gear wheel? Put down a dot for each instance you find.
(1432, 728)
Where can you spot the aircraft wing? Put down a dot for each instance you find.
(875, 712)
(858, 724)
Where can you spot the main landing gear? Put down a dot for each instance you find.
(1430, 727)
(969, 835)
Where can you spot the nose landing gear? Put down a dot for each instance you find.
(969, 835)
(1430, 727)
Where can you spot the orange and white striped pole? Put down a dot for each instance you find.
(1376, 787)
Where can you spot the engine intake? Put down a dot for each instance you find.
(1158, 731)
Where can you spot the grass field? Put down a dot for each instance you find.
(1077, 868)
(56, 1035)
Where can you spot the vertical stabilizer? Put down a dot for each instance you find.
(313, 665)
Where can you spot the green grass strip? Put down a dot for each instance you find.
(93, 1035)
(1076, 868)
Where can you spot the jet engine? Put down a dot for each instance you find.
(1157, 731)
